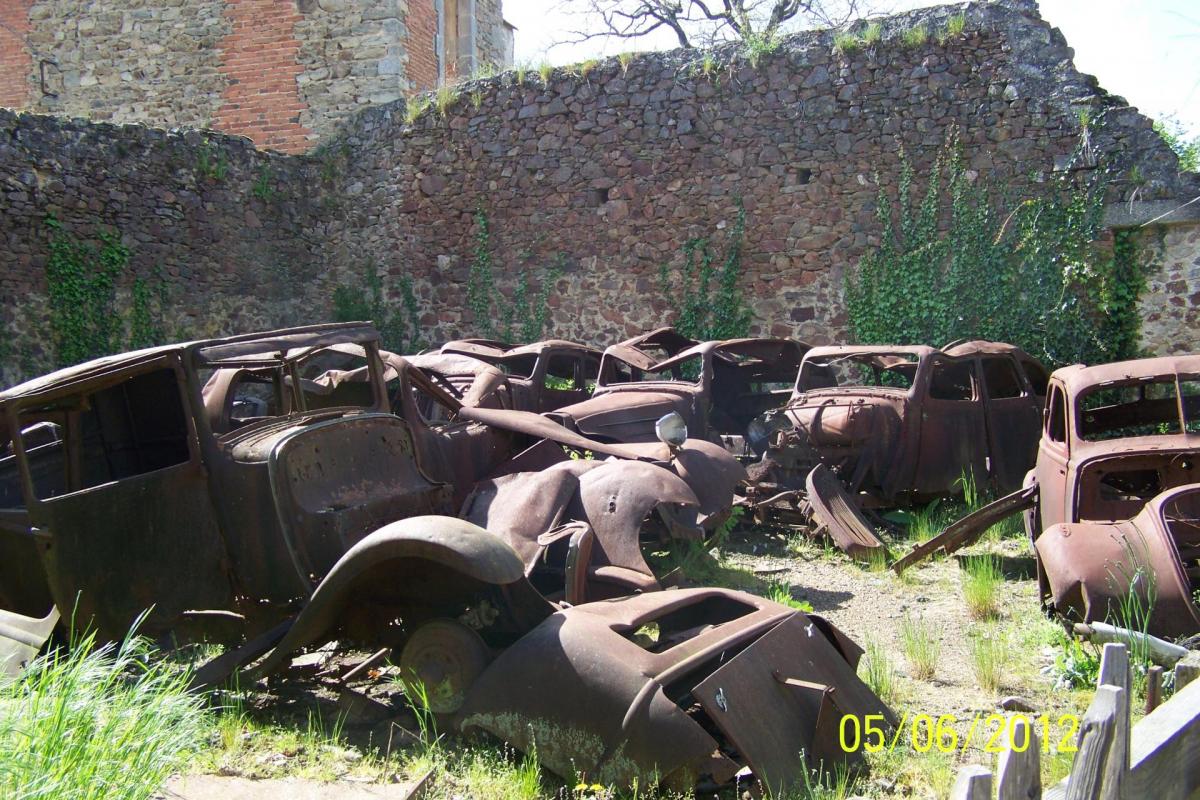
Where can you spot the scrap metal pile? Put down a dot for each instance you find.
(482, 512)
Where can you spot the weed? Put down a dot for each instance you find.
(929, 774)
(921, 646)
(417, 105)
(970, 490)
(877, 671)
(953, 28)
(707, 66)
(1134, 607)
(915, 36)
(445, 99)
(109, 721)
(416, 697)
(211, 162)
(989, 659)
(1076, 666)
(927, 522)
(981, 586)
(872, 34)
(846, 43)
(545, 71)
(625, 59)
(877, 560)
(781, 592)
(519, 73)
(587, 67)
(483, 71)
(476, 100)
(264, 184)
(756, 46)
(399, 328)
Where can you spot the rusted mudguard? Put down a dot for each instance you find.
(1092, 566)
(21, 638)
(676, 686)
(834, 510)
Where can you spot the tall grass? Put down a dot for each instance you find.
(107, 722)
(981, 586)
(921, 646)
(989, 659)
(877, 671)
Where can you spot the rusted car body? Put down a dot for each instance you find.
(681, 686)
(218, 481)
(904, 423)
(1112, 501)
(541, 376)
(718, 387)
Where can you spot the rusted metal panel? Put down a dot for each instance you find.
(21, 638)
(838, 514)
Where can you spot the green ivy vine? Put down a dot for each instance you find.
(399, 327)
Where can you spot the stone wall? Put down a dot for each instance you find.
(1170, 306)
(239, 239)
(616, 170)
(282, 73)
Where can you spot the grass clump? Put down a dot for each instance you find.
(780, 592)
(417, 105)
(981, 586)
(445, 99)
(846, 43)
(107, 721)
(954, 28)
(921, 646)
(989, 659)
(625, 59)
(872, 34)
(756, 46)
(878, 672)
(545, 71)
(587, 67)
(915, 36)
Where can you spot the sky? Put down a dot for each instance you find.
(1147, 51)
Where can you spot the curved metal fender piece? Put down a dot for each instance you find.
(459, 545)
(532, 424)
(615, 499)
(837, 511)
(21, 638)
(710, 471)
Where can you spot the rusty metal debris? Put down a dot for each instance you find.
(541, 376)
(836, 513)
(296, 487)
(1115, 493)
(904, 423)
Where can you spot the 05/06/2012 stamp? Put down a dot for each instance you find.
(947, 733)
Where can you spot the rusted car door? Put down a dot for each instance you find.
(130, 524)
(1054, 494)
(953, 431)
(1012, 413)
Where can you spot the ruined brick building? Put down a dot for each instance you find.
(281, 72)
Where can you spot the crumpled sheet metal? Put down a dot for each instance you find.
(837, 512)
(21, 638)
(707, 468)
(599, 701)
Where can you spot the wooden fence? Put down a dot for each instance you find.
(1159, 759)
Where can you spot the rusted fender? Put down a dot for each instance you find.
(711, 472)
(485, 389)
(390, 564)
(21, 638)
(834, 509)
(967, 530)
(1092, 566)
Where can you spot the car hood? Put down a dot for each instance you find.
(627, 416)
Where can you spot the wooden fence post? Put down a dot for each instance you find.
(1091, 777)
(1019, 775)
(1153, 687)
(973, 783)
(1114, 671)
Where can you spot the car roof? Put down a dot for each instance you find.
(1077, 378)
(956, 349)
(204, 351)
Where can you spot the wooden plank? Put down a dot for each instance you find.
(1154, 677)
(1090, 776)
(1114, 671)
(1165, 749)
(1187, 670)
(973, 783)
(1019, 774)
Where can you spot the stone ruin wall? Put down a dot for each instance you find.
(616, 170)
(612, 172)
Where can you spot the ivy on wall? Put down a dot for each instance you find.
(399, 326)
(955, 263)
(706, 297)
(521, 315)
(85, 316)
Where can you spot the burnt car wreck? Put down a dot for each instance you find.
(282, 490)
(1112, 505)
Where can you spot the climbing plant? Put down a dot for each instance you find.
(86, 319)
(705, 295)
(520, 315)
(399, 325)
(964, 260)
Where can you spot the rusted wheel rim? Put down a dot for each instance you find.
(446, 657)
